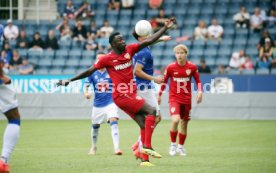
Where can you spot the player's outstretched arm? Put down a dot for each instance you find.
(82, 75)
(151, 40)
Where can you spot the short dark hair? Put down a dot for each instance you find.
(135, 35)
(100, 52)
(112, 36)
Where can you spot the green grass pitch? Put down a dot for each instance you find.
(213, 147)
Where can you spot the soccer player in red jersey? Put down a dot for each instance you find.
(180, 74)
(119, 66)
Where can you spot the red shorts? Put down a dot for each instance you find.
(180, 109)
(130, 103)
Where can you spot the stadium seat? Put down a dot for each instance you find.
(273, 71)
(45, 63)
(42, 71)
(86, 62)
(34, 54)
(210, 61)
(61, 54)
(58, 62)
(198, 44)
(234, 72)
(248, 72)
(74, 54)
(72, 62)
(69, 71)
(55, 71)
(23, 52)
(222, 61)
(88, 55)
(262, 71)
(49, 54)
(166, 61)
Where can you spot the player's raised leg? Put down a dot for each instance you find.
(94, 138)
(115, 135)
(149, 125)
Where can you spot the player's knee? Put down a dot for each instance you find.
(176, 120)
(96, 126)
(152, 111)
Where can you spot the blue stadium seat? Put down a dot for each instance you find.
(45, 63)
(224, 51)
(72, 62)
(58, 62)
(48, 54)
(23, 52)
(166, 61)
(196, 52)
(151, 13)
(77, 45)
(62, 54)
(69, 71)
(210, 53)
(64, 44)
(222, 61)
(262, 71)
(86, 62)
(195, 60)
(33, 61)
(234, 72)
(42, 71)
(210, 61)
(74, 54)
(273, 71)
(248, 72)
(198, 44)
(34, 54)
(88, 55)
(212, 44)
(55, 71)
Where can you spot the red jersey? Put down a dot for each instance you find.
(120, 70)
(180, 82)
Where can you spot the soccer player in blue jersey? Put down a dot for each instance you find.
(8, 106)
(143, 71)
(103, 106)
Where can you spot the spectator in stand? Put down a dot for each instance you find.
(94, 29)
(16, 61)
(22, 41)
(247, 64)
(85, 11)
(235, 62)
(11, 31)
(69, 11)
(161, 18)
(242, 18)
(256, 20)
(114, 5)
(265, 35)
(127, 4)
(273, 61)
(79, 32)
(263, 63)
(154, 24)
(91, 44)
(8, 51)
(103, 42)
(4, 58)
(201, 32)
(51, 41)
(221, 69)
(203, 68)
(107, 28)
(26, 68)
(215, 31)
(155, 4)
(267, 50)
(271, 19)
(37, 44)
(65, 30)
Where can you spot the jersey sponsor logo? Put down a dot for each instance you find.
(127, 56)
(172, 109)
(103, 86)
(115, 60)
(175, 73)
(188, 71)
(181, 79)
(123, 66)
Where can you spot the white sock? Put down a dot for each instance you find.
(173, 143)
(140, 146)
(180, 146)
(94, 134)
(10, 139)
(115, 134)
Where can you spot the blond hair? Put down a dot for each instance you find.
(181, 47)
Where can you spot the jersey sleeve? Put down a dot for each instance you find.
(101, 63)
(166, 78)
(197, 79)
(133, 48)
(88, 81)
(141, 58)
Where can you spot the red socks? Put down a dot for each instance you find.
(142, 134)
(182, 138)
(149, 127)
(173, 136)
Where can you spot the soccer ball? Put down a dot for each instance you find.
(143, 28)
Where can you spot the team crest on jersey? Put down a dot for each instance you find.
(127, 56)
(138, 98)
(172, 109)
(188, 72)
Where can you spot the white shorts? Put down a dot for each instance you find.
(98, 114)
(150, 98)
(8, 99)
